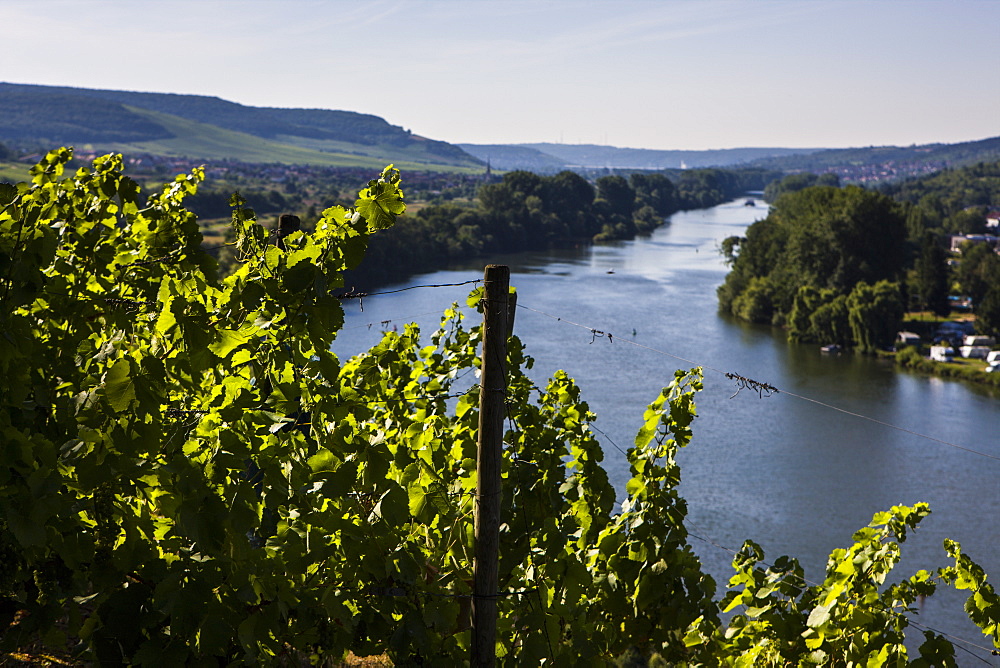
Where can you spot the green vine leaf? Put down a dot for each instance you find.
(119, 386)
(382, 201)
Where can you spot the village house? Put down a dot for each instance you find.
(959, 240)
(993, 219)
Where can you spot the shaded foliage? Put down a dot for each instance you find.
(932, 279)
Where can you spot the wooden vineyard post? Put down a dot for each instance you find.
(492, 410)
(287, 223)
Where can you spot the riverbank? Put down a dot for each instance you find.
(911, 358)
(526, 212)
(916, 358)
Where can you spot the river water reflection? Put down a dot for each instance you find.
(794, 475)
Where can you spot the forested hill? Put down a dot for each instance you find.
(873, 164)
(887, 163)
(589, 155)
(209, 127)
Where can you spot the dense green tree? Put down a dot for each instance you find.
(864, 231)
(919, 221)
(874, 313)
(951, 191)
(978, 270)
(654, 190)
(822, 237)
(509, 194)
(615, 193)
(932, 278)
(830, 322)
(807, 300)
(698, 188)
(754, 303)
(796, 182)
(828, 179)
(820, 316)
(988, 312)
(646, 219)
(570, 198)
(971, 220)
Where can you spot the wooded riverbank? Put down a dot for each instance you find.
(528, 212)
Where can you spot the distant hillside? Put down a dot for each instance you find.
(209, 128)
(28, 114)
(554, 157)
(507, 157)
(871, 164)
(590, 155)
(952, 191)
(888, 163)
(159, 122)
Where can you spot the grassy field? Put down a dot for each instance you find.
(208, 142)
(13, 172)
(972, 371)
(931, 318)
(201, 141)
(926, 323)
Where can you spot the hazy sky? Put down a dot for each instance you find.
(669, 74)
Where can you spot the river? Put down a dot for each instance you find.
(796, 476)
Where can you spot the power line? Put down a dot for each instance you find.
(382, 323)
(360, 296)
(351, 294)
(891, 426)
(759, 386)
(961, 641)
(733, 552)
(610, 440)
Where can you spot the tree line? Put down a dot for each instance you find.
(526, 211)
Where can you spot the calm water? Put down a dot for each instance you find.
(797, 477)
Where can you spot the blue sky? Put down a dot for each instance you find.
(669, 74)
